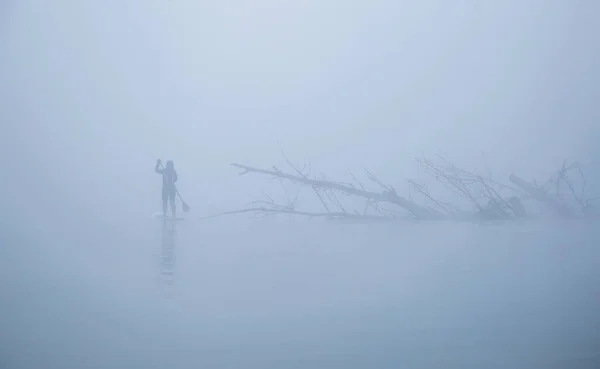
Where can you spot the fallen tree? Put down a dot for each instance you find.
(487, 199)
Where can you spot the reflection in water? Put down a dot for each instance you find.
(168, 253)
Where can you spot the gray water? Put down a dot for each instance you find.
(282, 293)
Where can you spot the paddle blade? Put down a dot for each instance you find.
(185, 207)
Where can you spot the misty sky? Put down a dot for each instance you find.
(93, 92)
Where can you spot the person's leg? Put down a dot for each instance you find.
(165, 196)
(172, 201)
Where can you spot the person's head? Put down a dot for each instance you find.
(170, 165)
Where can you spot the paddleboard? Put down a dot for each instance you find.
(171, 218)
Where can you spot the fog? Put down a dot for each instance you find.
(92, 93)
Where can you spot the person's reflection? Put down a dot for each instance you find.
(168, 253)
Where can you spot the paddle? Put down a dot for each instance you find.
(184, 206)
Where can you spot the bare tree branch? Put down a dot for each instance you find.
(391, 197)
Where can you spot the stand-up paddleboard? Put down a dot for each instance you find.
(171, 218)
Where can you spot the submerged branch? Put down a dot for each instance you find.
(267, 211)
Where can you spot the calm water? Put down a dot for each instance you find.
(296, 294)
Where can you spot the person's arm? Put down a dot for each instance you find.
(157, 167)
(174, 177)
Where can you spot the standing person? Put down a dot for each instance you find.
(169, 176)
